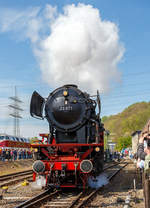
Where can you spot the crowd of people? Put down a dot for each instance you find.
(108, 155)
(14, 154)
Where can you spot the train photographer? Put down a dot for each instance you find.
(143, 150)
(143, 153)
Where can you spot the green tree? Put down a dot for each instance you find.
(131, 119)
(123, 142)
(104, 118)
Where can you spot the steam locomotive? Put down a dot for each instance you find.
(74, 148)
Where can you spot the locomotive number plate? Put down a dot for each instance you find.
(65, 108)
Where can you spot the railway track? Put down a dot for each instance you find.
(46, 195)
(9, 179)
(71, 199)
(87, 198)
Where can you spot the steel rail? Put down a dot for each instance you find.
(76, 200)
(94, 192)
(13, 175)
(46, 195)
(15, 180)
(38, 199)
(105, 168)
(9, 180)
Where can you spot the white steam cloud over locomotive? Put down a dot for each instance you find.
(75, 46)
(81, 49)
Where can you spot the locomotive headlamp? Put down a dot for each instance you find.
(97, 149)
(86, 166)
(36, 150)
(38, 166)
(74, 101)
(65, 93)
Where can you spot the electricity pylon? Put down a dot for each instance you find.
(16, 112)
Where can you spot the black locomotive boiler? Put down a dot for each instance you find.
(75, 144)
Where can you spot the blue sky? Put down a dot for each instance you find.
(19, 66)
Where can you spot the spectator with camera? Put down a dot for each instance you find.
(143, 153)
(144, 146)
(143, 150)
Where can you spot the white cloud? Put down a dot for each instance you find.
(81, 49)
(29, 23)
(13, 20)
(74, 47)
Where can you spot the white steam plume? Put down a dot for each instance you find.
(99, 181)
(80, 47)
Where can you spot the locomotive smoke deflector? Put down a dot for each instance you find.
(36, 105)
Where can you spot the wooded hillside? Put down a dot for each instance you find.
(131, 119)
